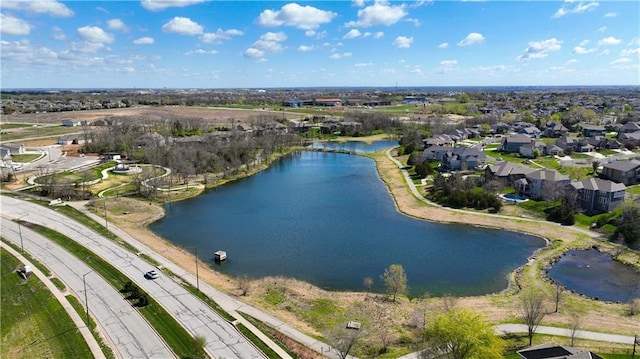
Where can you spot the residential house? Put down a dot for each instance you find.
(541, 181)
(574, 143)
(463, 158)
(598, 195)
(552, 351)
(626, 172)
(531, 131)
(506, 173)
(601, 142)
(440, 140)
(588, 130)
(70, 140)
(512, 143)
(552, 150)
(554, 129)
(629, 127)
(528, 150)
(436, 152)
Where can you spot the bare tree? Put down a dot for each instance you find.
(368, 283)
(532, 311)
(575, 321)
(343, 339)
(558, 294)
(243, 284)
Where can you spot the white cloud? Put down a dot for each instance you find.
(253, 53)
(294, 15)
(305, 48)
(201, 52)
(608, 41)
(95, 34)
(220, 35)
(540, 49)
(380, 13)
(448, 62)
(117, 24)
(579, 8)
(602, 29)
(622, 60)
(340, 56)
(158, 5)
(415, 22)
(270, 42)
(403, 42)
(443, 45)
(630, 52)
(58, 34)
(358, 3)
(416, 71)
(182, 26)
(144, 41)
(611, 14)
(352, 34)
(363, 64)
(13, 26)
(86, 47)
(309, 33)
(471, 39)
(582, 50)
(46, 7)
(378, 35)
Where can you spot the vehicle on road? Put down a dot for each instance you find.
(152, 274)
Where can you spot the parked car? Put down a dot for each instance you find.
(152, 274)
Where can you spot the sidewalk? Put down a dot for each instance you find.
(229, 304)
(75, 317)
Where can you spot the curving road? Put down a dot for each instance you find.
(223, 340)
(130, 334)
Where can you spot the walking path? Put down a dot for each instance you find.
(228, 303)
(503, 329)
(75, 317)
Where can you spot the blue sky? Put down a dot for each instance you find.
(261, 44)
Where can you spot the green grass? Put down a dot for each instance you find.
(8, 126)
(176, 337)
(25, 157)
(257, 342)
(58, 283)
(28, 256)
(34, 324)
(634, 189)
(268, 331)
(81, 309)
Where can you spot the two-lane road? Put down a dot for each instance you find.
(222, 338)
(128, 331)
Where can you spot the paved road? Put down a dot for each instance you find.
(131, 336)
(562, 332)
(223, 340)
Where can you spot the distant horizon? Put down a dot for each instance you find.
(387, 88)
(187, 44)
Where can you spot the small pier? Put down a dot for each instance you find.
(220, 256)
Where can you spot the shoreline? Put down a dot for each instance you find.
(528, 275)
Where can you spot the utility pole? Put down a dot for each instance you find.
(106, 222)
(20, 231)
(86, 301)
(636, 341)
(197, 276)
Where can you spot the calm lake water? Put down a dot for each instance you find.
(597, 275)
(326, 218)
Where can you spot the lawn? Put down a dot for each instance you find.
(176, 337)
(34, 324)
(27, 157)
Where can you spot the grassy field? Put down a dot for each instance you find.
(34, 324)
(178, 339)
(25, 157)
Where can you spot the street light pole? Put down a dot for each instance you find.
(20, 231)
(106, 222)
(197, 276)
(86, 301)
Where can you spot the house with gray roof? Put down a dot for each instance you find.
(512, 143)
(554, 129)
(544, 179)
(463, 158)
(626, 172)
(598, 195)
(588, 130)
(506, 173)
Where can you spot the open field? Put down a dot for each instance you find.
(34, 324)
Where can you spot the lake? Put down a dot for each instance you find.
(597, 275)
(327, 218)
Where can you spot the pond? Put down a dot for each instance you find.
(596, 275)
(327, 218)
(355, 146)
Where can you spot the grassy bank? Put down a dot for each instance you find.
(34, 324)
